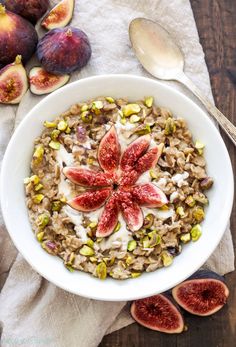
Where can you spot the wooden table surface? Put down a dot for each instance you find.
(216, 22)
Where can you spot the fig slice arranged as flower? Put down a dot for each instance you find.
(87, 178)
(149, 195)
(134, 151)
(109, 151)
(109, 218)
(90, 200)
(149, 159)
(131, 211)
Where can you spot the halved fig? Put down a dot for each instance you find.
(109, 151)
(91, 200)
(59, 16)
(134, 151)
(158, 313)
(149, 195)
(13, 82)
(149, 159)
(43, 82)
(202, 294)
(109, 218)
(87, 178)
(131, 211)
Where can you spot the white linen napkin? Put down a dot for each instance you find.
(34, 312)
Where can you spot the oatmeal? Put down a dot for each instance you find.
(116, 188)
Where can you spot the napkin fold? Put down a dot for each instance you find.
(34, 312)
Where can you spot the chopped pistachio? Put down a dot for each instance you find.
(99, 239)
(129, 260)
(56, 205)
(101, 271)
(38, 154)
(69, 267)
(38, 198)
(135, 274)
(200, 197)
(86, 117)
(170, 126)
(50, 247)
(155, 239)
(54, 145)
(90, 161)
(164, 208)
(196, 232)
(117, 228)
(62, 125)
(180, 211)
(97, 105)
(38, 187)
(84, 108)
(206, 183)
(146, 242)
(90, 243)
(68, 130)
(93, 259)
(131, 245)
(63, 199)
(185, 237)
(134, 118)
(34, 179)
(121, 114)
(86, 250)
(130, 109)
(54, 134)
(49, 124)
(123, 121)
(40, 236)
(148, 221)
(71, 259)
(190, 201)
(110, 99)
(199, 146)
(153, 174)
(93, 225)
(108, 261)
(149, 101)
(143, 130)
(199, 214)
(166, 258)
(42, 220)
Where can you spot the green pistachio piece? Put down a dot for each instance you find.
(199, 147)
(86, 117)
(40, 236)
(170, 126)
(200, 197)
(97, 105)
(146, 242)
(190, 201)
(34, 179)
(93, 225)
(180, 211)
(134, 118)
(90, 243)
(101, 271)
(38, 198)
(84, 108)
(166, 258)
(123, 121)
(68, 130)
(69, 268)
(196, 232)
(62, 125)
(93, 259)
(117, 228)
(56, 205)
(110, 99)
(149, 101)
(86, 250)
(71, 259)
(54, 145)
(38, 187)
(130, 109)
(54, 134)
(199, 214)
(148, 221)
(135, 274)
(131, 245)
(49, 124)
(185, 237)
(38, 154)
(143, 129)
(129, 260)
(42, 220)
(153, 174)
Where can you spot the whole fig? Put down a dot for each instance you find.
(32, 10)
(64, 50)
(17, 37)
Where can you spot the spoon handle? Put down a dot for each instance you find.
(225, 124)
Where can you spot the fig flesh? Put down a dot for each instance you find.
(59, 16)
(109, 151)
(13, 82)
(32, 10)
(134, 151)
(43, 82)
(109, 218)
(57, 44)
(87, 178)
(131, 211)
(17, 37)
(202, 294)
(158, 313)
(91, 200)
(149, 159)
(149, 195)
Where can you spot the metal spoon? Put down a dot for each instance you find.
(161, 57)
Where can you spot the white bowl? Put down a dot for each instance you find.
(16, 166)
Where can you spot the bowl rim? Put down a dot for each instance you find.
(118, 77)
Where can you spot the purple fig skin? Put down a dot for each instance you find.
(31, 10)
(57, 44)
(17, 37)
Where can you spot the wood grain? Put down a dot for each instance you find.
(216, 22)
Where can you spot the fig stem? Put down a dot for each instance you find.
(2, 9)
(18, 59)
(69, 32)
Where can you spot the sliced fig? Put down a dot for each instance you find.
(109, 218)
(129, 177)
(87, 178)
(91, 200)
(59, 16)
(64, 50)
(149, 195)
(13, 82)
(17, 37)
(134, 151)
(109, 151)
(149, 159)
(202, 294)
(131, 211)
(158, 313)
(43, 82)
(32, 10)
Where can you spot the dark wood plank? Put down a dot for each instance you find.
(216, 22)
